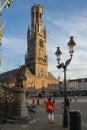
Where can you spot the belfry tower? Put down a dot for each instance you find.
(36, 59)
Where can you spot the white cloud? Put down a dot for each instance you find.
(59, 33)
(12, 52)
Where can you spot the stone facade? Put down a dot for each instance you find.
(35, 82)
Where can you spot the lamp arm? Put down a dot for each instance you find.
(61, 65)
(68, 62)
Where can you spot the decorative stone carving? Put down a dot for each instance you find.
(20, 77)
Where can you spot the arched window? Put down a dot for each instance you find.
(40, 15)
(41, 43)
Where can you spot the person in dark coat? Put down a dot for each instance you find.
(68, 104)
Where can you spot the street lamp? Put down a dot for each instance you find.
(58, 53)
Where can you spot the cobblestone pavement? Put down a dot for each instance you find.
(38, 122)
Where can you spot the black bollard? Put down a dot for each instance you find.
(75, 120)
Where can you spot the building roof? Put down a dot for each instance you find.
(11, 75)
(50, 76)
(4, 77)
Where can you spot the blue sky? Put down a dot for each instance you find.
(62, 18)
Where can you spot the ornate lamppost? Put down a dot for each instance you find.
(58, 53)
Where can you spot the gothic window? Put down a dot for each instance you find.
(41, 43)
(33, 15)
(36, 14)
(40, 16)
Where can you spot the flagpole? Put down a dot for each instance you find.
(2, 6)
(2, 25)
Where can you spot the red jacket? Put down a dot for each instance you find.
(49, 106)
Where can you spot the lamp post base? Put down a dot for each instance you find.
(65, 119)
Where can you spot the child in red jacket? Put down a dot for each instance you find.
(50, 110)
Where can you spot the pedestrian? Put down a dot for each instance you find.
(38, 100)
(70, 99)
(50, 110)
(68, 104)
(33, 100)
(45, 100)
(75, 98)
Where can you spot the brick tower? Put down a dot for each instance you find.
(36, 58)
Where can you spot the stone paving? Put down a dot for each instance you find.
(38, 121)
